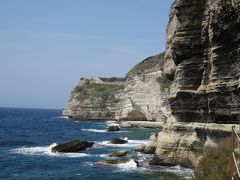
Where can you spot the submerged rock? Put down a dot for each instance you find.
(117, 141)
(117, 154)
(72, 146)
(113, 128)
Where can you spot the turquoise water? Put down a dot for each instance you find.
(27, 135)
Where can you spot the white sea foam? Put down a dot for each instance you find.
(185, 173)
(63, 117)
(95, 130)
(131, 143)
(103, 155)
(128, 166)
(112, 123)
(45, 151)
(101, 130)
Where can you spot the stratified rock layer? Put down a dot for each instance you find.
(203, 57)
(141, 97)
(185, 143)
(94, 98)
(144, 97)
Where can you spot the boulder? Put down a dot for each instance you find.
(117, 141)
(112, 162)
(113, 128)
(117, 154)
(72, 146)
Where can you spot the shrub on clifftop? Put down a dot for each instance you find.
(93, 91)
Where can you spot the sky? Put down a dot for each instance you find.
(47, 46)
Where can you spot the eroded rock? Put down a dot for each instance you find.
(72, 146)
(113, 128)
(117, 141)
(117, 154)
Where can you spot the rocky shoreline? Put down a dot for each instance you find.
(190, 92)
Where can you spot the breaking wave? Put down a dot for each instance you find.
(45, 151)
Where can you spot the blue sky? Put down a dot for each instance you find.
(47, 45)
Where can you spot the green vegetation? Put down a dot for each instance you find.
(149, 63)
(112, 79)
(93, 91)
(215, 165)
(164, 82)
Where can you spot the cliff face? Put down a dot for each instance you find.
(203, 60)
(200, 68)
(203, 57)
(94, 98)
(140, 97)
(143, 96)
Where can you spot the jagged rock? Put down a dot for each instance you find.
(203, 57)
(72, 146)
(185, 143)
(93, 98)
(150, 147)
(144, 97)
(117, 154)
(113, 128)
(139, 97)
(117, 141)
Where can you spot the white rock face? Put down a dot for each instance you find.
(185, 143)
(91, 107)
(142, 99)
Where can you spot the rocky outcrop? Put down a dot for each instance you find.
(203, 58)
(94, 98)
(117, 141)
(144, 97)
(192, 91)
(150, 147)
(113, 128)
(72, 146)
(141, 97)
(117, 154)
(185, 143)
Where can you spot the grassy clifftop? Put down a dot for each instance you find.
(94, 91)
(147, 64)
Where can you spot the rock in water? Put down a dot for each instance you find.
(117, 154)
(113, 128)
(72, 146)
(117, 141)
(112, 162)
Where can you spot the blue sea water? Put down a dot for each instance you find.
(27, 136)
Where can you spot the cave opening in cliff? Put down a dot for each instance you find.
(135, 115)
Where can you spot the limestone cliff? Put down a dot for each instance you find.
(94, 98)
(192, 91)
(140, 96)
(144, 97)
(202, 58)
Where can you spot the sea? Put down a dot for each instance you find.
(27, 136)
